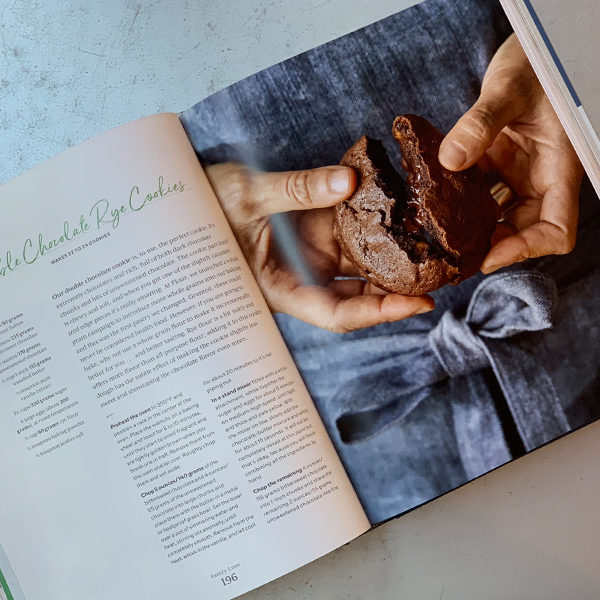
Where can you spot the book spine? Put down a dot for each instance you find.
(556, 83)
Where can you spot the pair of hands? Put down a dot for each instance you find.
(511, 130)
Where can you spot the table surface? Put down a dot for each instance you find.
(71, 70)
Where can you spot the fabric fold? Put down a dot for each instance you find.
(502, 307)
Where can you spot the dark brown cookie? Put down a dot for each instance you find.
(414, 237)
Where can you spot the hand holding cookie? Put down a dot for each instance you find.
(249, 197)
(512, 129)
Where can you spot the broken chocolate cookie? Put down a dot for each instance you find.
(413, 237)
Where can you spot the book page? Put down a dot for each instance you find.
(408, 423)
(156, 438)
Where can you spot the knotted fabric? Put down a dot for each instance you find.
(503, 307)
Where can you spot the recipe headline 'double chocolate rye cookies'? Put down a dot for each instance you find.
(412, 238)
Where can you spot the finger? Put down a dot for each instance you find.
(503, 230)
(371, 288)
(301, 190)
(347, 288)
(366, 311)
(555, 233)
(524, 213)
(355, 287)
(346, 266)
(538, 240)
(506, 94)
(326, 308)
(477, 129)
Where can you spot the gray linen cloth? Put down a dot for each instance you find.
(502, 306)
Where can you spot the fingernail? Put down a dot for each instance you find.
(425, 309)
(452, 155)
(338, 181)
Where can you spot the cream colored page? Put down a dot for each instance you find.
(156, 439)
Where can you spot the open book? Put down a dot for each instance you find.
(157, 434)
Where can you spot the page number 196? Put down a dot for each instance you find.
(229, 579)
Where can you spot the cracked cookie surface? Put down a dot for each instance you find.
(413, 237)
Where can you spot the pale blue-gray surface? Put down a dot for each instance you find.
(71, 70)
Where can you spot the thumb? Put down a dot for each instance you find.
(477, 129)
(301, 190)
